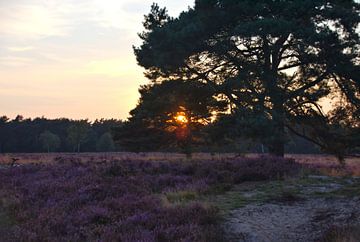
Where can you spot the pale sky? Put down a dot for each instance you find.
(72, 58)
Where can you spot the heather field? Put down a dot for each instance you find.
(327, 164)
(166, 197)
(122, 200)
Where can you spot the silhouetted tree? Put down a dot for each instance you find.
(50, 142)
(78, 134)
(340, 135)
(271, 61)
(4, 132)
(105, 143)
(154, 124)
(24, 135)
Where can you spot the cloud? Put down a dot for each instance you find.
(78, 51)
(32, 21)
(40, 19)
(14, 61)
(20, 48)
(115, 67)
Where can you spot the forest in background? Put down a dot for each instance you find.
(26, 135)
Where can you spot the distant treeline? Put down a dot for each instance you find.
(56, 135)
(25, 135)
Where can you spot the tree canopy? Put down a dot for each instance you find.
(50, 142)
(275, 63)
(25, 135)
(170, 113)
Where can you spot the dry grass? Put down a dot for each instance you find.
(329, 165)
(325, 164)
(151, 156)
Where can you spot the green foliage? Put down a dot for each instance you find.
(270, 61)
(181, 196)
(23, 135)
(78, 134)
(105, 143)
(50, 142)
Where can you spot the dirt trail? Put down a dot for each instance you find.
(297, 210)
(300, 221)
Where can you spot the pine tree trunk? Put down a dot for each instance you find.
(277, 146)
(277, 139)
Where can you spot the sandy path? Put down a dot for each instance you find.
(300, 221)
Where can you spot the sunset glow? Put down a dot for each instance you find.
(72, 58)
(181, 118)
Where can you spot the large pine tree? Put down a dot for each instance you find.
(274, 59)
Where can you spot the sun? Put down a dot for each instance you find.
(181, 118)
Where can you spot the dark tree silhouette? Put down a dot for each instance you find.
(37, 135)
(105, 143)
(271, 61)
(50, 142)
(169, 114)
(78, 134)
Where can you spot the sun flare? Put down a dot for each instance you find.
(181, 118)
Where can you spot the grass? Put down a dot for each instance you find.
(182, 196)
(285, 191)
(352, 189)
(342, 234)
(5, 207)
(256, 193)
(6, 222)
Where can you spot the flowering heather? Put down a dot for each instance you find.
(121, 200)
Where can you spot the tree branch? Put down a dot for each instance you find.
(290, 66)
(304, 136)
(309, 85)
(278, 51)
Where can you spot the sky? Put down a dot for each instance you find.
(72, 58)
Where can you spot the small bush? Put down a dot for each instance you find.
(181, 196)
